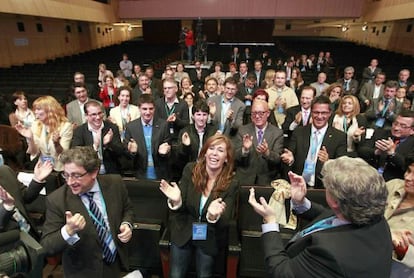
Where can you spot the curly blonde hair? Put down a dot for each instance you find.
(54, 111)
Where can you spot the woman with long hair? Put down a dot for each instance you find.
(348, 120)
(50, 134)
(23, 114)
(108, 93)
(202, 205)
(335, 93)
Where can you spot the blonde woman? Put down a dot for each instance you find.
(51, 132)
(269, 79)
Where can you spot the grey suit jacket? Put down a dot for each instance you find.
(74, 113)
(230, 127)
(253, 167)
(367, 92)
(372, 114)
(84, 258)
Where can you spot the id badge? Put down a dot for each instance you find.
(171, 130)
(309, 167)
(111, 104)
(199, 231)
(380, 122)
(45, 158)
(248, 103)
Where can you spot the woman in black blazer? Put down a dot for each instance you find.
(202, 205)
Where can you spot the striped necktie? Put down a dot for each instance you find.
(102, 229)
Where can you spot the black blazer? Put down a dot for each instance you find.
(181, 113)
(83, 137)
(160, 134)
(84, 258)
(334, 141)
(345, 251)
(181, 220)
(290, 117)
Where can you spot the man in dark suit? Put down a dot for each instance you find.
(154, 83)
(197, 76)
(226, 111)
(245, 92)
(103, 135)
(142, 87)
(257, 148)
(312, 145)
(383, 111)
(350, 86)
(340, 242)
(388, 150)
(369, 73)
(148, 141)
(172, 109)
(92, 90)
(299, 115)
(259, 72)
(241, 76)
(14, 197)
(77, 211)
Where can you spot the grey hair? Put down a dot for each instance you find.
(357, 187)
(349, 68)
(82, 156)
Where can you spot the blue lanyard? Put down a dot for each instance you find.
(385, 109)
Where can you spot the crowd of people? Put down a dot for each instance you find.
(203, 134)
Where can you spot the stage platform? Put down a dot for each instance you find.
(189, 65)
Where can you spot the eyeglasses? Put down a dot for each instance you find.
(259, 113)
(316, 113)
(75, 176)
(403, 126)
(94, 115)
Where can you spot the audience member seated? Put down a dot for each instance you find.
(347, 119)
(235, 56)
(147, 141)
(189, 99)
(226, 110)
(342, 241)
(269, 78)
(299, 115)
(168, 72)
(257, 148)
(186, 87)
(320, 85)
(193, 136)
(75, 109)
(89, 219)
(312, 145)
(124, 112)
(172, 109)
(50, 134)
(400, 96)
(79, 77)
(14, 196)
(218, 73)
(387, 150)
(108, 93)
(198, 75)
(211, 88)
(120, 79)
(22, 114)
(296, 82)
(180, 73)
(202, 206)
(334, 92)
(154, 83)
(403, 77)
(384, 110)
(241, 76)
(259, 72)
(372, 90)
(102, 135)
(102, 73)
(399, 213)
(245, 94)
(133, 80)
(143, 87)
(350, 86)
(281, 98)
(232, 70)
(369, 73)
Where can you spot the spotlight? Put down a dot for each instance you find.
(344, 28)
(364, 27)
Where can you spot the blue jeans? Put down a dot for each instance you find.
(190, 53)
(181, 257)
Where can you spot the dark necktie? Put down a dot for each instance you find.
(259, 136)
(104, 233)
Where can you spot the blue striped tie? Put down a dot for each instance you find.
(103, 231)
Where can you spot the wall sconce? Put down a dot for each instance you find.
(344, 28)
(364, 27)
(129, 28)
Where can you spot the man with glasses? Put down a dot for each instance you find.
(257, 148)
(349, 85)
(312, 145)
(103, 135)
(89, 219)
(387, 150)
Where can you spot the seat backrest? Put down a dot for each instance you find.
(149, 203)
(10, 140)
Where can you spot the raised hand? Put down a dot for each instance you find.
(132, 146)
(125, 233)
(164, 148)
(247, 142)
(171, 191)
(185, 139)
(216, 209)
(74, 223)
(6, 197)
(287, 156)
(108, 137)
(323, 155)
(262, 208)
(24, 131)
(297, 187)
(263, 148)
(42, 170)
